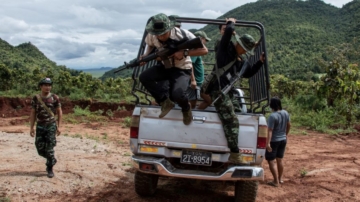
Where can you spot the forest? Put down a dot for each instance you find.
(312, 51)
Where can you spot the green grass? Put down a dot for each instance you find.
(303, 172)
(5, 199)
(84, 116)
(127, 122)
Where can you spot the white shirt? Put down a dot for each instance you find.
(175, 34)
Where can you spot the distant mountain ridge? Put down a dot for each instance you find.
(96, 72)
(94, 69)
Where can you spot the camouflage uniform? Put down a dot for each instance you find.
(46, 128)
(234, 101)
(229, 120)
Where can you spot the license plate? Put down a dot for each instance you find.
(196, 157)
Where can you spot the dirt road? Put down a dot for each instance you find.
(94, 165)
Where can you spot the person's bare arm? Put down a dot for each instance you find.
(148, 50)
(268, 147)
(59, 113)
(193, 81)
(288, 126)
(32, 122)
(179, 55)
(198, 51)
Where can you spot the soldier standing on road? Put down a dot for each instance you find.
(44, 108)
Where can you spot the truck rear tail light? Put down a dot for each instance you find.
(134, 127)
(261, 143)
(262, 136)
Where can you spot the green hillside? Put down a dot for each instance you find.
(24, 56)
(297, 33)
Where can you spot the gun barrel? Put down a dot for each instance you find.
(191, 44)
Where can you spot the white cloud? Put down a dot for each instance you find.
(91, 16)
(93, 33)
(11, 25)
(210, 14)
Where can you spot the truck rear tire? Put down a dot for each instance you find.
(246, 191)
(145, 184)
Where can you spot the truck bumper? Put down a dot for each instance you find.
(161, 167)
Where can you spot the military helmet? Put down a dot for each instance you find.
(247, 42)
(202, 34)
(173, 17)
(159, 24)
(45, 81)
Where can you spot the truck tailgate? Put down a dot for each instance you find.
(205, 132)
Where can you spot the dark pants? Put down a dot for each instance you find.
(154, 80)
(278, 150)
(45, 141)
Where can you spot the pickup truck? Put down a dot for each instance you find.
(167, 147)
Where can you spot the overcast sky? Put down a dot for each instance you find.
(97, 33)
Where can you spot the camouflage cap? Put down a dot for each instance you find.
(247, 42)
(159, 24)
(173, 17)
(202, 34)
(45, 81)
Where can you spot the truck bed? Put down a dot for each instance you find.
(205, 132)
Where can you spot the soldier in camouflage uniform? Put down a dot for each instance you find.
(228, 53)
(47, 126)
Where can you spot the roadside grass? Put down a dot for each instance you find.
(126, 154)
(91, 137)
(303, 172)
(5, 199)
(84, 116)
(127, 122)
(324, 120)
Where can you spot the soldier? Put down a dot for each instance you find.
(44, 108)
(228, 57)
(197, 76)
(176, 69)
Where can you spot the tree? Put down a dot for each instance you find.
(6, 78)
(341, 85)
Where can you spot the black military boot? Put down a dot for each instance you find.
(49, 171)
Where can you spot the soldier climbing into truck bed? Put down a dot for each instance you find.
(228, 57)
(176, 68)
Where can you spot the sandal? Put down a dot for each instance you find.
(271, 183)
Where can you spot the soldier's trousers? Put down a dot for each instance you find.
(45, 141)
(234, 101)
(225, 109)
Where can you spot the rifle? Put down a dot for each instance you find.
(164, 53)
(233, 81)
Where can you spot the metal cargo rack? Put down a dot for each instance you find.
(257, 94)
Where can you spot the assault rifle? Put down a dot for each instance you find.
(165, 52)
(233, 81)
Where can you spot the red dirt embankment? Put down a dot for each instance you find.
(19, 107)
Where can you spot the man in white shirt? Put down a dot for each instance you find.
(176, 68)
